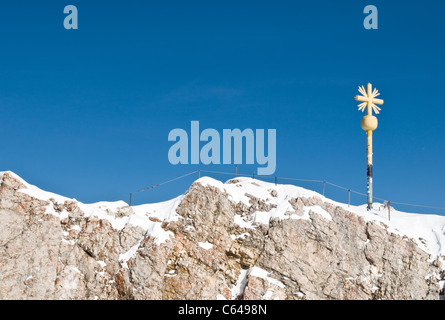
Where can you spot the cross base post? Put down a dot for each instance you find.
(369, 188)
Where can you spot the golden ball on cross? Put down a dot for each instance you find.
(369, 123)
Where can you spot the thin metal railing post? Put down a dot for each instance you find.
(349, 198)
(389, 210)
(324, 187)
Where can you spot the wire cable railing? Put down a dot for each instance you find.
(276, 178)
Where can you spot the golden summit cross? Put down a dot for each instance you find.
(369, 124)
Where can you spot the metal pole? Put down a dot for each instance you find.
(130, 199)
(369, 169)
(389, 211)
(236, 171)
(199, 173)
(276, 180)
(324, 186)
(349, 198)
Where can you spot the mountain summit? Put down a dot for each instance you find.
(243, 239)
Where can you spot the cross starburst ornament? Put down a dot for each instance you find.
(368, 99)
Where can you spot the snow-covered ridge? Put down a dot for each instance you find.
(148, 216)
(426, 230)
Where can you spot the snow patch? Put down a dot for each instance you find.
(263, 274)
(205, 245)
(242, 223)
(238, 288)
(124, 257)
(241, 236)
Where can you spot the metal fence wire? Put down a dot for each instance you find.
(276, 179)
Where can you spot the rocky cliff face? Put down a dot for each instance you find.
(245, 239)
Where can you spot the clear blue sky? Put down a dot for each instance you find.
(86, 113)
